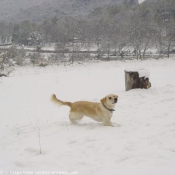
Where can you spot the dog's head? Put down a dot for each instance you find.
(110, 99)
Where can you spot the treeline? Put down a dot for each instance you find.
(116, 28)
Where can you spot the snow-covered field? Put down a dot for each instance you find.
(143, 142)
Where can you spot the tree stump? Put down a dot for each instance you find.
(138, 78)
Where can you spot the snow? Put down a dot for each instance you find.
(141, 143)
(141, 71)
(140, 1)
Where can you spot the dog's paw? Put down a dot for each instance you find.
(116, 124)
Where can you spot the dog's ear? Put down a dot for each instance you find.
(103, 100)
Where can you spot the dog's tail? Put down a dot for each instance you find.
(59, 102)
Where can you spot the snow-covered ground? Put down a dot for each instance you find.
(140, 1)
(143, 143)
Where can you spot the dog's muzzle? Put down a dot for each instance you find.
(115, 100)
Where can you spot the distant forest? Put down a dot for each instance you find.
(142, 26)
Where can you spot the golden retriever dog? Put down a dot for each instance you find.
(101, 112)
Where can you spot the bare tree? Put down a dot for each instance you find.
(169, 36)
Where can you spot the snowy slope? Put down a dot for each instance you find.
(142, 142)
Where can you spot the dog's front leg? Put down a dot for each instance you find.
(111, 123)
(73, 121)
(107, 123)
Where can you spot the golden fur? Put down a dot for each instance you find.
(101, 112)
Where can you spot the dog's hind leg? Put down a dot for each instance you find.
(73, 121)
(74, 116)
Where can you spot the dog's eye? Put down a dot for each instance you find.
(109, 98)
